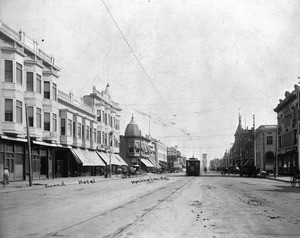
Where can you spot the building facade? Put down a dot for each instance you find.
(265, 144)
(67, 134)
(288, 117)
(137, 150)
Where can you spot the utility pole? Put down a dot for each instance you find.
(140, 151)
(254, 140)
(110, 148)
(29, 147)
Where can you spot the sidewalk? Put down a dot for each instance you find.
(42, 183)
(280, 178)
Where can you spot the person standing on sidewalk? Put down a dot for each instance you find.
(5, 176)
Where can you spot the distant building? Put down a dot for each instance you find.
(265, 143)
(135, 149)
(288, 115)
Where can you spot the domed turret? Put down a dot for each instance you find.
(132, 128)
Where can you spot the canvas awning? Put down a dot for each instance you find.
(147, 163)
(43, 143)
(80, 157)
(120, 159)
(105, 157)
(152, 160)
(93, 156)
(14, 138)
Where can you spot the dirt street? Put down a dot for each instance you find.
(155, 206)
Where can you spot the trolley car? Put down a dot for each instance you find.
(192, 167)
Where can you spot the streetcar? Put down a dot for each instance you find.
(193, 167)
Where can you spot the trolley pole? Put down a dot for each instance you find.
(29, 147)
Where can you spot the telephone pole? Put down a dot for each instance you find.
(29, 147)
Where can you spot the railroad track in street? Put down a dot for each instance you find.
(174, 188)
(132, 225)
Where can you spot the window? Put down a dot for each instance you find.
(38, 117)
(269, 140)
(103, 137)
(99, 115)
(8, 71)
(79, 130)
(19, 73)
(54, 92)
(38, 83)
(82, 131)
(95, 135)
(30, 115)
(74, 128)
(47, 90)
(87, 132)
(19, 110)
(54, 122)
(63, 126)
(69, 127)
(8, 110)
(29, 81)
(46, 121)
(99, 137)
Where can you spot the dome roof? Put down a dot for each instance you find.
(132, 128)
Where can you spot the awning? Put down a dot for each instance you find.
(152, 160)
(105, 157)
(92, 155)
(147, 163)
(121, 160)
(14, 138)
(36, 142)
(81, 157)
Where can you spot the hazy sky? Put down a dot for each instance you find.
(204, 60)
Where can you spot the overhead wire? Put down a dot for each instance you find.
(140, 64)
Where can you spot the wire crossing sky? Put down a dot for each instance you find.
(202, 60)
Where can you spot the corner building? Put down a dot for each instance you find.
(288, 116)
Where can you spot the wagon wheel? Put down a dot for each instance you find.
(293, 181)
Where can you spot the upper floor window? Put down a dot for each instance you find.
(87, 132)
(30, 115)
(19, 73)
(46, 121)
(54, 91)
(79, 130)
(74, 129)
(19, 111)
(269, 140)
(69, 127)
(99, 137)
(8, 109)
(8, 71)
(95, 135)
(63, 126)
(54, 122)
(29, 81)
(38, 117)
(38, 83)
(47, 90)
(99, 115)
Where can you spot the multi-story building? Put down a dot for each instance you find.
(265, 147)
(67, 134)
(135, 149)
(288, 117)
(28, 81)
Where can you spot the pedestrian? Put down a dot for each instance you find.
(5, 176)
(205, 170)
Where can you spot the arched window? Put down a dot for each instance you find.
(270, 157)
